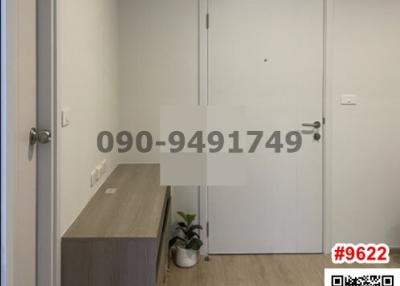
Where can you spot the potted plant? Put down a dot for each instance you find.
(187, 241)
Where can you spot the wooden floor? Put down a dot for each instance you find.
(258, 270)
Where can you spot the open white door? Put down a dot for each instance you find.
(267, 55)
(27, 210)
(18, 117)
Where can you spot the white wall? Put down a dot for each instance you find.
(158, 63)
(364, 140)
(87, 83)
(158, 66)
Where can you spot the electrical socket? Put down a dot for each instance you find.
(92, 178)
(103, 167)
(98, 172)
(110, 191)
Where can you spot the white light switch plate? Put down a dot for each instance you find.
(65, 116)
(348, 99)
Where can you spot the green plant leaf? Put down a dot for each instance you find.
(190, 218)
(174, 240)
(194, 244)
(182, 215)
(194, 227)
(183, 229)
(182, 224)
(192, 234)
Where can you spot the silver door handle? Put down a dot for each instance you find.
(315, 125)
(42, 136)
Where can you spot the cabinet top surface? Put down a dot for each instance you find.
(135, 210)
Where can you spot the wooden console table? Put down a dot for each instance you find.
(120, 238)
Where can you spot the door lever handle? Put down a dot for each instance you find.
(315, 125)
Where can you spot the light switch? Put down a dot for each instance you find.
(65, 116)
(348, 99)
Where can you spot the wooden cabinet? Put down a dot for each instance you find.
(120, 238)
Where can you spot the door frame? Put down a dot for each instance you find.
(48, 233)
(203, 101)
(327, 130)
(326, 114)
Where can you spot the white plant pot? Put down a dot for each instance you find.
(186, 257)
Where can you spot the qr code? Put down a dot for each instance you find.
(363, 280)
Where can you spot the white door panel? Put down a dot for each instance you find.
(267, 55)
(20, 174)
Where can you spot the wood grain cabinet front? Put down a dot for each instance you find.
(120, 239)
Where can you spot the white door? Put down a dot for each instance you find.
(19, 99)
(267, 55)
(26, 194)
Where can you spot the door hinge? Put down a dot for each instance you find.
(323, 120)
(207, 229)
(207, 21)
